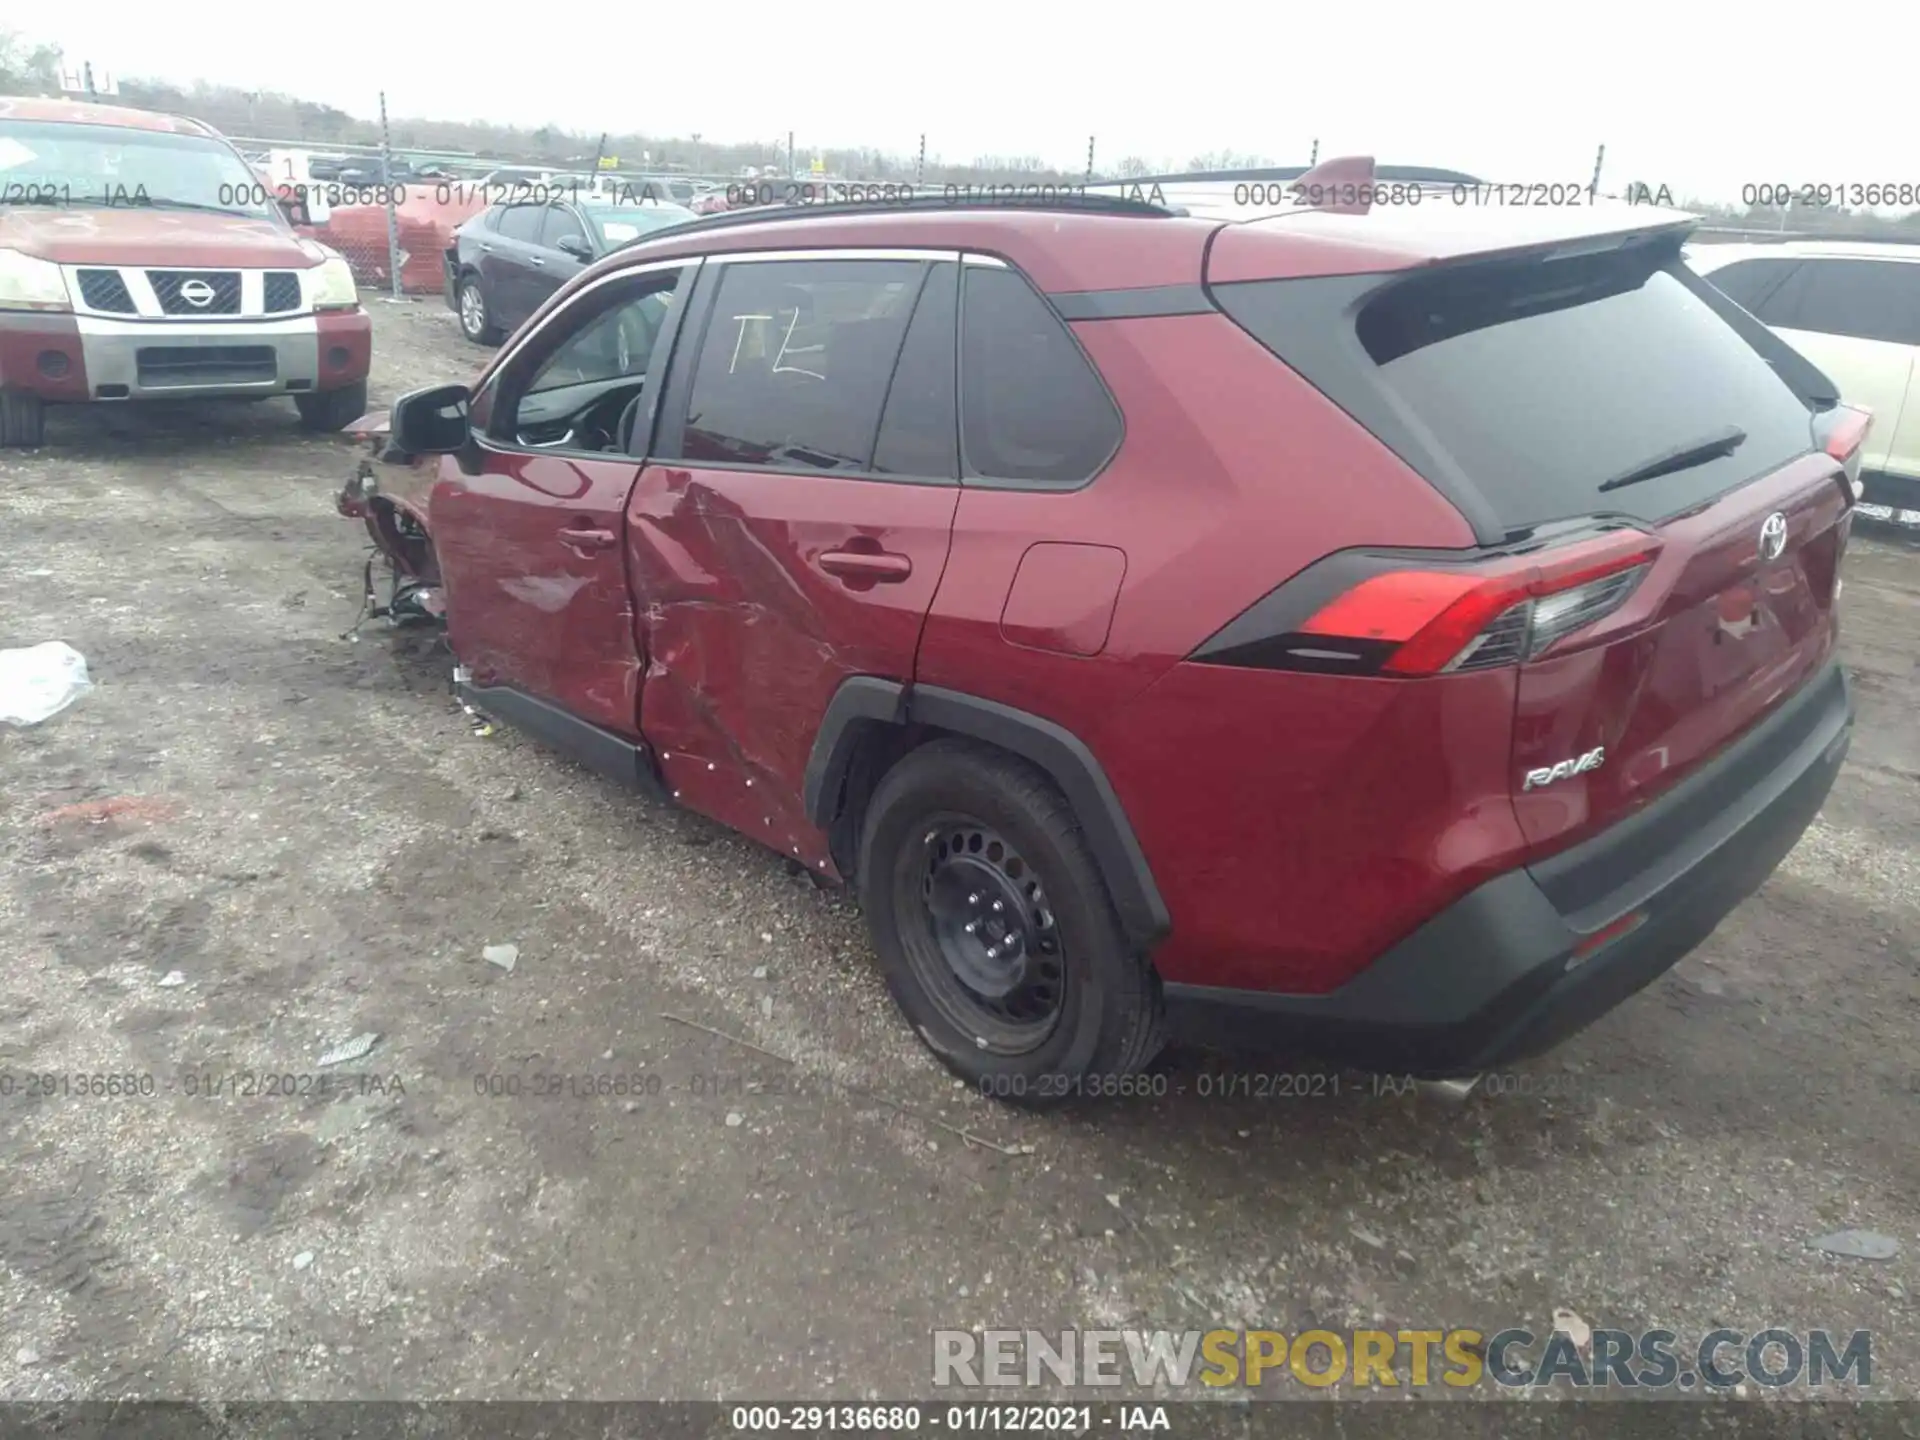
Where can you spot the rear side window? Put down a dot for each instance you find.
(919, 432)
(794, 367)
(1748, 283)
(1031, 407)
(1529, 385)
(520, 222)
(1864, 299)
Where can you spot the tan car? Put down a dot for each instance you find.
(1853, 308)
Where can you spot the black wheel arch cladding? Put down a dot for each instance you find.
(864, 700)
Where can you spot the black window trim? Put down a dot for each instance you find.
(973, 479)
(886, 399)
(486, 412)
(669, 444)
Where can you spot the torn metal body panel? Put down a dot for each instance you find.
(387, 493)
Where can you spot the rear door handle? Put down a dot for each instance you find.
(880, 566)
(535, 260)
(584, 537)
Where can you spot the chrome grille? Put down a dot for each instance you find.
(196, 292)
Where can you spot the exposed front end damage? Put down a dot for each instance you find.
(387, 494)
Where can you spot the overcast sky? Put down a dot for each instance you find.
(1702, 101)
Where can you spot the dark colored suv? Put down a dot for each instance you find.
(1406, 633)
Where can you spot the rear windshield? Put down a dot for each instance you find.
(1529, 385)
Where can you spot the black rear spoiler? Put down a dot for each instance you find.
(1801, 375)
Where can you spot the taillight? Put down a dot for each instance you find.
(1847, 432)
(1410, 620)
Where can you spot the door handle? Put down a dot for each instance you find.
(875, 565)
(585, 537)
(536, 261)
(486, 249)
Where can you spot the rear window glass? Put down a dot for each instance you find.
(1533, 384)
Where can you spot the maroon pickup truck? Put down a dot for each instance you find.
(142, 258)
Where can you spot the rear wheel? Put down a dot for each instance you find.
(995, 931)
(476, 321)
(23, 420)
(332, 409)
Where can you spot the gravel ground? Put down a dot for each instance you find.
(310, 834)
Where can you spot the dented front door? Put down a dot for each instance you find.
(537, 592)
(763, 592)
(794, 530)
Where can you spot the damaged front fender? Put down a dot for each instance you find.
(388, 495)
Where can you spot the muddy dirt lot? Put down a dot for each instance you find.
(308, 842)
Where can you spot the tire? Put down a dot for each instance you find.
(23, 420)
(952, 827)
(332, 409)
(475, 323)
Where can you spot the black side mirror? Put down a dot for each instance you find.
(575, 246)
(294, 207)
(432, 421)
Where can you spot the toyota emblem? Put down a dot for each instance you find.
(197, 293)
(1773, 536)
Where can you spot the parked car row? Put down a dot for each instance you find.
(983, 557)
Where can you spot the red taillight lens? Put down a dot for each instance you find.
(1848, 432)
(1501, 614)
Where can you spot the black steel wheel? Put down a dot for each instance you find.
(987, 947)
(995, 931)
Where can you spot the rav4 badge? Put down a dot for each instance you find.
(1547, 774)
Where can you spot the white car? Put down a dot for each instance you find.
(1853, 309)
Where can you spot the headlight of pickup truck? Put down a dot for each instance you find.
(333, 287)
(30, 283)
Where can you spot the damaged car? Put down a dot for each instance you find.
(1242, 630)
(141, 258)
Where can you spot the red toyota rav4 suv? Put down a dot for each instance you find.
(1405, 633)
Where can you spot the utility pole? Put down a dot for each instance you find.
(1090, 140)
(1593, 190)
(386, 184)
(1314, 158)
(920, 167)
(91, 92)
(790, 170)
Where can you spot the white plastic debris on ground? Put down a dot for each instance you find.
(39, 681)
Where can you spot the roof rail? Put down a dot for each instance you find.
(1068, 200)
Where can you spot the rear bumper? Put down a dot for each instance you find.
(1500, 975)
(69, 357)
